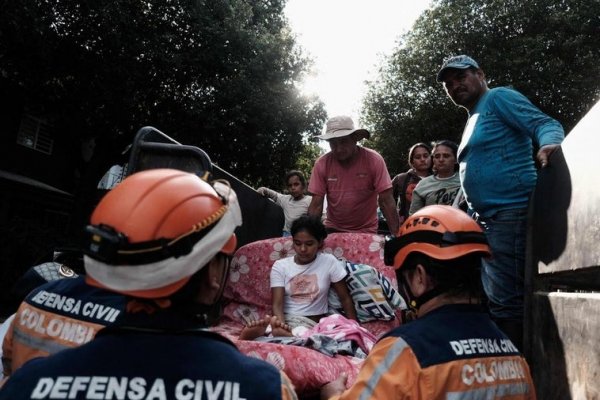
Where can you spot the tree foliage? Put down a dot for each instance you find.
(218, 74)
(306, 158)
(546, 49)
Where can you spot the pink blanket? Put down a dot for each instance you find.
(341, 328)
(247, 297)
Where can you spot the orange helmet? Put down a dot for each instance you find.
(440, 232)
(157, 228)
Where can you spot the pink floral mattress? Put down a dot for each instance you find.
(247, 297)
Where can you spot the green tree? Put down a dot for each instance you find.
(218, 74)
(307, 157)
(546, 49)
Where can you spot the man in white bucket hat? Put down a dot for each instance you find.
(354, 179)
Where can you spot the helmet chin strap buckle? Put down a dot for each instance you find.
(425, 297)
(415, 302)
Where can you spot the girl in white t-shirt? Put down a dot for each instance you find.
(299, 284)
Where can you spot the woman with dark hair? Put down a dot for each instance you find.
(443, 186)
(403, 184)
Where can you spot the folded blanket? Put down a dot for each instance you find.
(321, 343)
(341, 328)
(333, 335)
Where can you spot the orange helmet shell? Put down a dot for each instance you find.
(440, 232)
(163, 204)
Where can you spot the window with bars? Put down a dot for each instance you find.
(35, 133)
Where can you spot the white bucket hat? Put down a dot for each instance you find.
(341, 126)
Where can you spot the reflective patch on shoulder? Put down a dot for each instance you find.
(38, 343)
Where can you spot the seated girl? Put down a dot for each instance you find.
(300, 284)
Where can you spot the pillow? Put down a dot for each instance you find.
(373, 295)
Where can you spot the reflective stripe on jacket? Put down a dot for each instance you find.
(453, 352)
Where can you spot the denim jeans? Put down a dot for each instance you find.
(502, 275)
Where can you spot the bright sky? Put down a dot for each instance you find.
(346, 39)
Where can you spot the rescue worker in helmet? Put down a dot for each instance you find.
(453, 349)
(165, 238)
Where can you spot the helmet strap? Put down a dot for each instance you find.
(414, 302)
(209, 314)
(417, 302)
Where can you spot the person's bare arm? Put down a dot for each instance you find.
(388, 208)
(277, 295)
(544, 153)
(316, 205)
(266, 192)
(347, 304)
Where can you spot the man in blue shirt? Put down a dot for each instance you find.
(498, 174)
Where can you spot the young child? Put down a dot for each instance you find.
(294, 204)
(299, 284)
